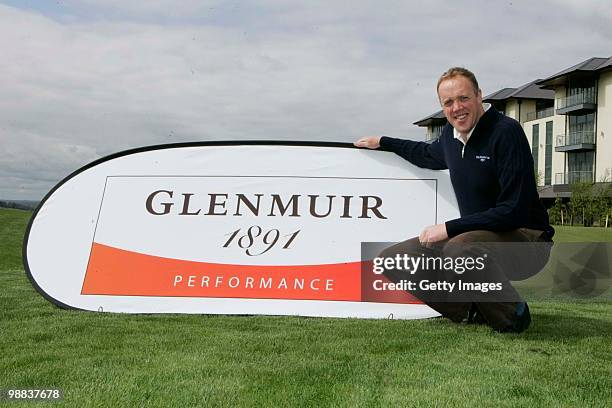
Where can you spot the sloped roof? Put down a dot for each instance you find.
(593, 64)
(528, 91)
(606, 65)
(532, 91)
(499, 95)
(434, 117)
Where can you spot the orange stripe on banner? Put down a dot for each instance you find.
(114, 271)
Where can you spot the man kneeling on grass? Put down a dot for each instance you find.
(491, 169)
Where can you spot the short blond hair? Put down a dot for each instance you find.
(459, 71)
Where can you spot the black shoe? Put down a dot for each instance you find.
(474, 316)
(522, 320)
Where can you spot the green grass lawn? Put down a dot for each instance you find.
(582, 234)
(564, 359)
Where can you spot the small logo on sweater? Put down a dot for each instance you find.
(483, 158)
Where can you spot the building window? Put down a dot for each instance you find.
(543, 104)
(580, 167)
(548, 153)
(585, 87)
(580, 91)
(581, 129)
(535, 144)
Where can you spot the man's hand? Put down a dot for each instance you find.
(433, 233)
(371, 142)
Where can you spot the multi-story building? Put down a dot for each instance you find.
(567, 119)
(583, 123)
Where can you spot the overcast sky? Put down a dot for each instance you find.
(82, 79)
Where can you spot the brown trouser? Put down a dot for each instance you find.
(519, 264)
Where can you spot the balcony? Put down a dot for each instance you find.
(541, 114)
(582, 140)
(579, 103)
(572, 177)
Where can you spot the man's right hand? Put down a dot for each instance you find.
(371, 142)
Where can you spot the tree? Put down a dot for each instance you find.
(558, 212)
(581, 203)
(602, 202)
(591, 202)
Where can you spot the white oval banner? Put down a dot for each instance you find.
(232, 228)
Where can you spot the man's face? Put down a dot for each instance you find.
(461, 103)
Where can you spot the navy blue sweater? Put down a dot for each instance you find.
(492, 175)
